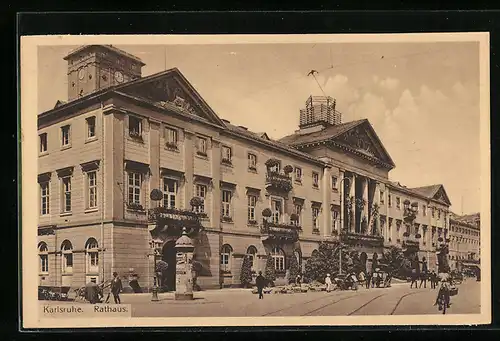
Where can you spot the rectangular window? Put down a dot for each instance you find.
(135, 126)
(398, 203)
(297, 208)
(201, 192)
(315, 216)
(202, 146)
(382, 197)
(424, 210)
(43, 142)
(275, 169)
(298, 174)
(226, 203)
(279, 262)
(334, 183)
(92, 189)
(226, 154)
(171, 138)
(224, 262)
(65, 135)
(252, 204)
(134, 188)
(169, 192)
(66, 194)
(335, 220)
(389, 200)
(67, 263)
(44, 198)
(315, 177)
(433, 212)
(91, 127)
(252, 161)
(277, 209)
(44, 263)
(439, 214)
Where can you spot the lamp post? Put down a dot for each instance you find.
(155, 195)
(341, 220)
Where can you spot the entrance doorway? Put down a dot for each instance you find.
(169, 256)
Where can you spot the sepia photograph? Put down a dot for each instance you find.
(255, 180)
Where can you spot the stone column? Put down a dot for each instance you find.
(342, 200)
(352, 197)
(366, 207)
(215, 214)
(327, 200)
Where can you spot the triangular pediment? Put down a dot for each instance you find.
(442, 196)
(171, 90)
(362, 139)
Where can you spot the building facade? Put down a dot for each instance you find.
(465, 241)
(121, 136)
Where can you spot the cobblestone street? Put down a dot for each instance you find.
(397, 300)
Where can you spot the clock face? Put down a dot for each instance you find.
(119, 76)
(81, 73)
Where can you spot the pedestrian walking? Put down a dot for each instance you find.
(414, 278)
(260, 281)
(423, 274)
(92, 292)
(368, 279)
(116, 287)
(298, 280)
(328, 282)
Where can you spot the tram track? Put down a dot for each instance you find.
(401, 299)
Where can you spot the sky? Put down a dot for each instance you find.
(421, 98)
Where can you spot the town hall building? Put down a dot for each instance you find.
(121, 135)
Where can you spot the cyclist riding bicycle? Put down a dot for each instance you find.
(445, 282)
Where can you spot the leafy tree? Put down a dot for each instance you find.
(325, 261)
(293, 269)
(398, 263)
(246, 272)
(270, 272)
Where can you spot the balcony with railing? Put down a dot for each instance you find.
(279, 232)
(173, 220)
(353, 238)
(279, 181)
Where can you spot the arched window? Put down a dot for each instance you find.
(225, 258)
(67, 257)
(314, 253)
(43, 254)
(92, 256)
(279, 259)
(252, 253)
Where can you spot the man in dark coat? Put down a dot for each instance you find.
(116, 287)
(423, 273)
(92, 291)
(260, 281)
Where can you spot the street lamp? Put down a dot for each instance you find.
(155, 195)
(341, 220)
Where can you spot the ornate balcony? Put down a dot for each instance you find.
(286, 233)
(353, 238)
(172, 220)
(279, 181)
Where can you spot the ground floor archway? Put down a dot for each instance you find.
(169, 256)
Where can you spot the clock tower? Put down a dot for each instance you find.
(95, 67)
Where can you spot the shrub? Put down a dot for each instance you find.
(270, 273)
(267, 212)
(325, 261)
(293, 269)
(246, 272)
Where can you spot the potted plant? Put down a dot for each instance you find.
(294, 218)
(196, 202)
(288, 169)
(418, 236)
(266, 212)
(272, 162)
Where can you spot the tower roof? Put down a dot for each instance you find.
(107, 47)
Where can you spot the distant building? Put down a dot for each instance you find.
(465, 241)
(120, 136)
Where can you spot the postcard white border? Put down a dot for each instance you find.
(29, 100)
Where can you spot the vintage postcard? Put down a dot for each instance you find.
(255, 180)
